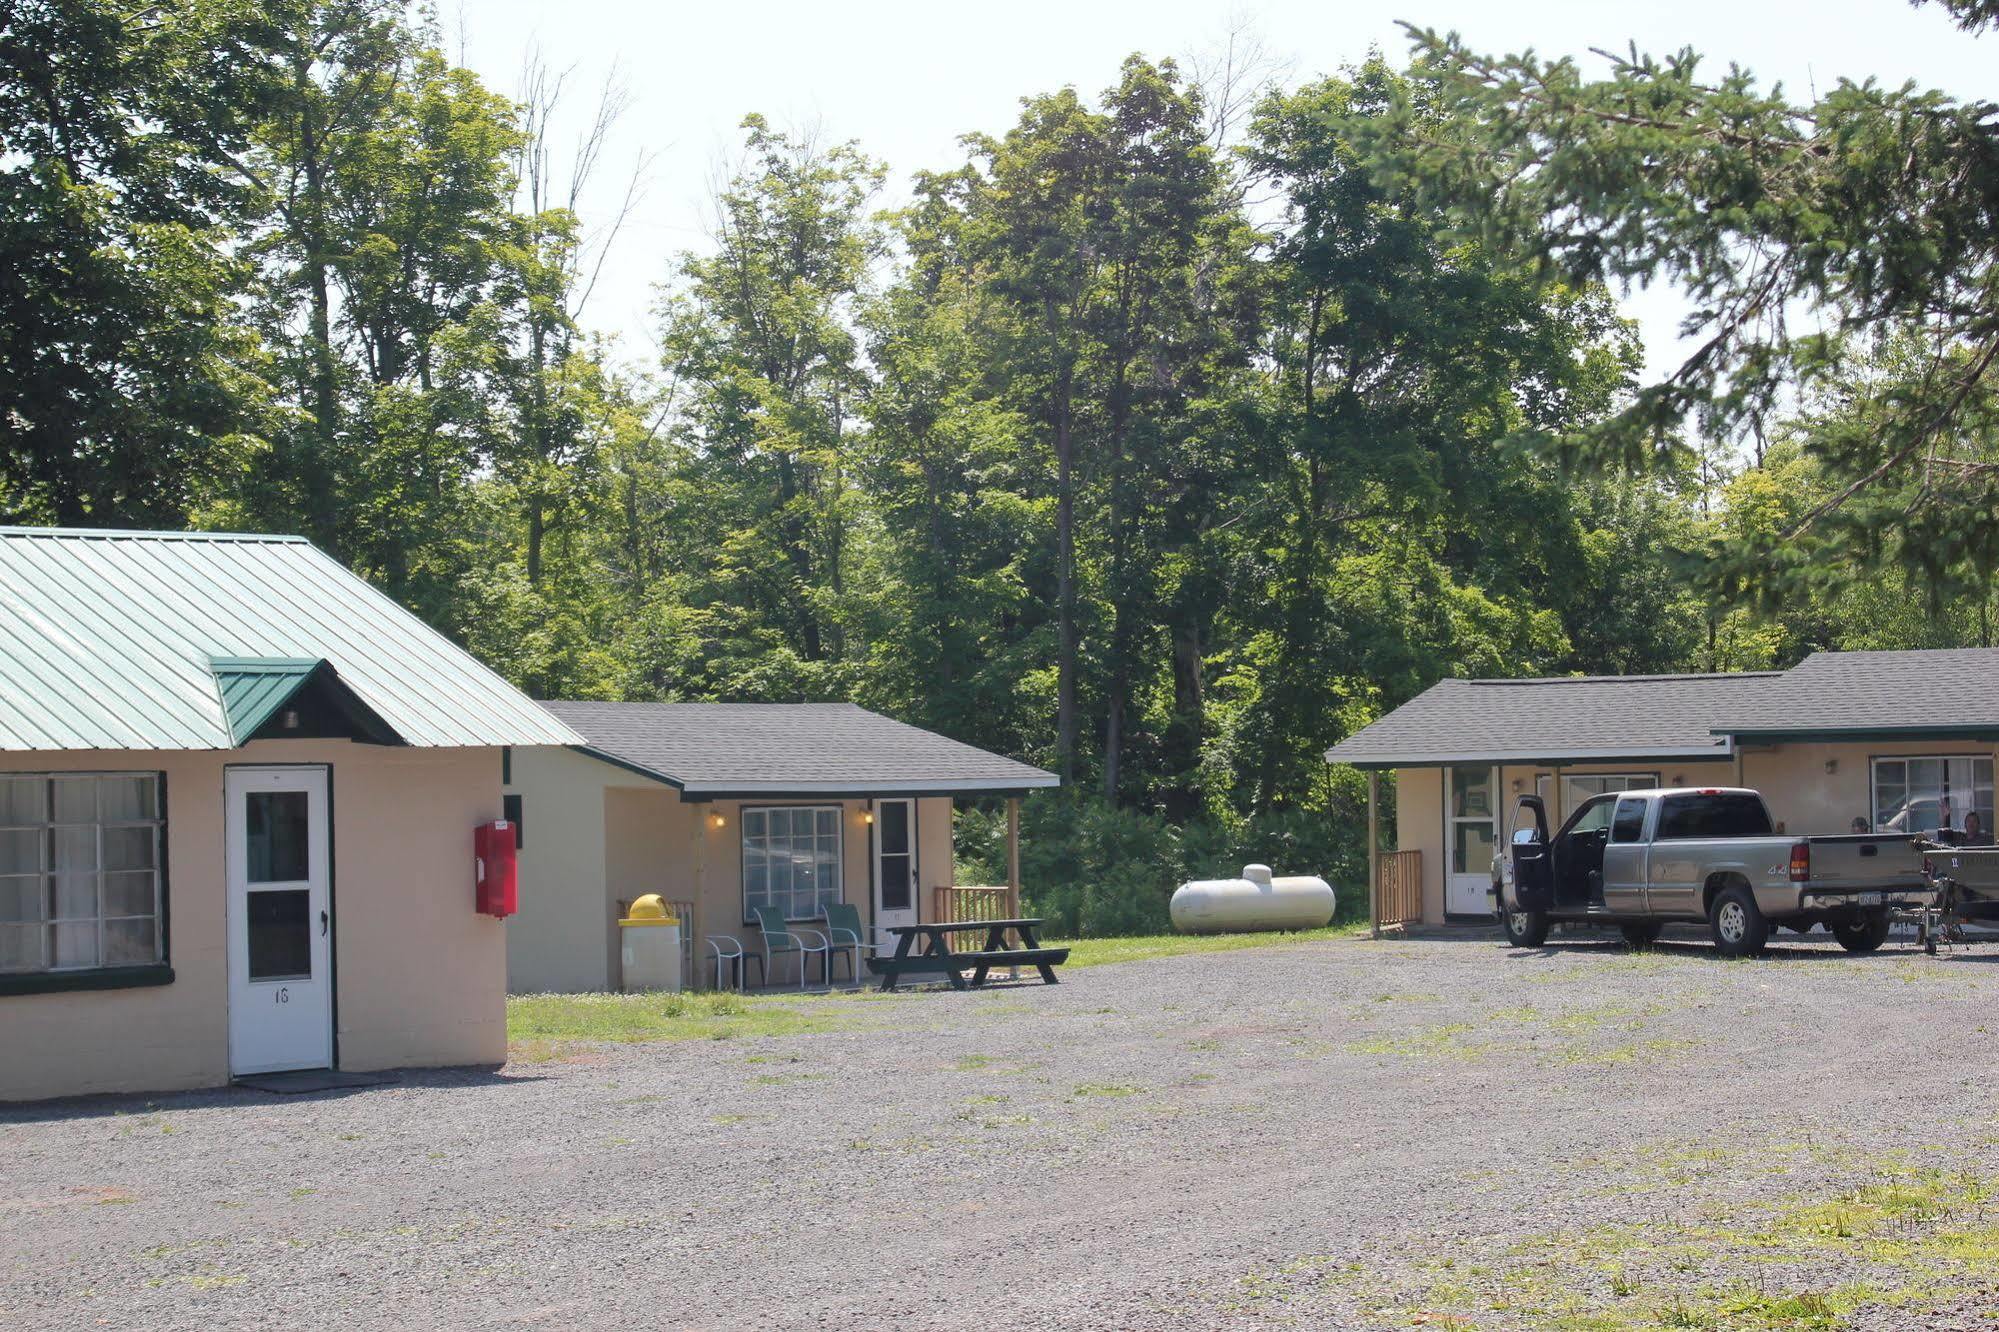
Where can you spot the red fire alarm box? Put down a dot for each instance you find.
(496, 893)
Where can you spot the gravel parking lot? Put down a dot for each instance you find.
(1338, 1134)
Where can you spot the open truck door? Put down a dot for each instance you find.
(1533, 859)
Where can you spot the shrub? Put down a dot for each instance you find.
(1094, 870)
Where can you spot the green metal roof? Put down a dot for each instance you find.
(171, 640)
(254, 687)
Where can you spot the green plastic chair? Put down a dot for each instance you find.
(781, 938)
(848, 938)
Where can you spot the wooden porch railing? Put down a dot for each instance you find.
(981, 902)
(1398, 888)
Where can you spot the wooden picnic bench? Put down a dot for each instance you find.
(939, 958)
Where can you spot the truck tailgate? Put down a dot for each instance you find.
(1865, 860)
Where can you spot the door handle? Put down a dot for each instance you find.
(322, 924)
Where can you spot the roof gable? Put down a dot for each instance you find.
(750, 749)
(114, 636)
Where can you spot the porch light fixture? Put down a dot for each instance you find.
(867, 816)
(1832, 765)
(718, 820)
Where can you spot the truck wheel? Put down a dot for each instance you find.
(1525, 929)
(1863, 935)
(1639, 933)
(1737, 924)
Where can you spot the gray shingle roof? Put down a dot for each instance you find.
(1569, 717)
(108, 641)
(789, 749)
(1927, 691)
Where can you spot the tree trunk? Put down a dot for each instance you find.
(316, 480)
(1065, 578)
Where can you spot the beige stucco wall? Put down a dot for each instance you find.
(559, 942)
(420, 976)
(1810, 801)
(597, 836)
(1803, 796)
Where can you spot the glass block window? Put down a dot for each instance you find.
(79, 871)
(791, 859)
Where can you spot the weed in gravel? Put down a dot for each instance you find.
(1085, 1090)
(785, 1079)
(1441, 1042)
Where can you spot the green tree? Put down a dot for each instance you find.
(1402, 532)
(1869, 210)
(760, 344)
(125, 375)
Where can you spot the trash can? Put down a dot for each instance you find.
(651, 946)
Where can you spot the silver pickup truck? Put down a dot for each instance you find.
(1641, 860)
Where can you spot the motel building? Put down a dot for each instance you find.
(239, 789)
(1903, 741)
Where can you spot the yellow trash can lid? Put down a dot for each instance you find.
(649, 910)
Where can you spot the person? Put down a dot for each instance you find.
(1974, 829)
(1860, 824)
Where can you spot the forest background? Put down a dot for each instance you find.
(1167, 435)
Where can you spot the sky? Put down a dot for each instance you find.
(906, 79)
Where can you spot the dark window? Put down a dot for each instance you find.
(510, 807)
(898, 861)
(1629, 825)
(280, 934)
(279, 841)
(1712, 814)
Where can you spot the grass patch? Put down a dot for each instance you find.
(1137, 948)
(1906, 1238)
(538, 1025)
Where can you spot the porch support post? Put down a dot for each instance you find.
(1373, 851)
(1013, 855)
(701, 896)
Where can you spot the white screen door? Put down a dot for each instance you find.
(280, 920)
(895, 863)
(1470, 824)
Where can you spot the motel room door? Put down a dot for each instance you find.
(280, 920)
(895, 865)
(1471, 824)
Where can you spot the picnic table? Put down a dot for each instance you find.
(938, 957)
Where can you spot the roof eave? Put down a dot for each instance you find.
(1769, 734)
(1538, 758)
(864, 790)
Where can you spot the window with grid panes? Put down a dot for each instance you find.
(79, 871)
(791, 859)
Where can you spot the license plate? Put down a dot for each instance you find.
(1871, 899)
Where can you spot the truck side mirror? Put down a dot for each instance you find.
(1526, 836)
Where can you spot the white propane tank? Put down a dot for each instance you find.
(1256, 901)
